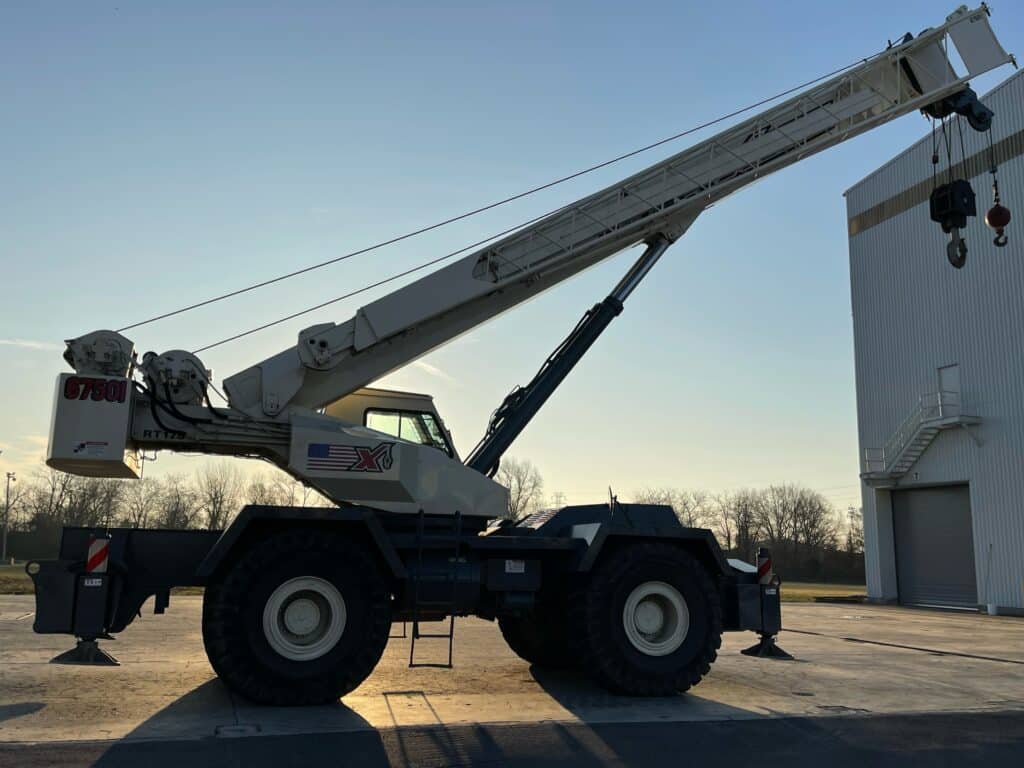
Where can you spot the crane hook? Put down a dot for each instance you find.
(956, 250)
(997, 218)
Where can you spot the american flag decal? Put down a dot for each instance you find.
(332, 457)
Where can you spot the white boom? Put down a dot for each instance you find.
(332, 360)
(100, 421)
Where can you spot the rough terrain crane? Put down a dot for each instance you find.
(299, 602)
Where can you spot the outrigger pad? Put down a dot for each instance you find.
(87, 652)
(766, 649)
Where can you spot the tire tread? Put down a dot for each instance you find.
(223, 622)
(594, 641)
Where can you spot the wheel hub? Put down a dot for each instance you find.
(304, 618)
(656, 618)
(650, 618)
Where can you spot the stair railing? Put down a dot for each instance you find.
(933, 406)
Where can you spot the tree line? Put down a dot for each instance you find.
(808, 538)
(209, 498)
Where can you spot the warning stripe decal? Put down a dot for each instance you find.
(99, 550)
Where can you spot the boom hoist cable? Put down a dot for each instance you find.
(951, 203)
(998, 216)
(468, 214)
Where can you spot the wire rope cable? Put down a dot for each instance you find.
(365, 288)
(468, 214)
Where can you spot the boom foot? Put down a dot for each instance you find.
(87, 652)
(765, 648)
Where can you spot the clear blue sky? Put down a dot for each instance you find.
(158, 153)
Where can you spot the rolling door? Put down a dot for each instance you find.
(935, 547)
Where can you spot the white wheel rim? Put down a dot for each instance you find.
(304, 618)
(656, 618)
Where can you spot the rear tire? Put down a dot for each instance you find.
(301, 618)
(650, 621)
(539, 638)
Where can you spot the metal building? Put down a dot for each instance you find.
(940, 376)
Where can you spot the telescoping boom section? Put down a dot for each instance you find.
(332, 360)
(298, 602)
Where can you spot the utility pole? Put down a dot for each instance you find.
(7, 514)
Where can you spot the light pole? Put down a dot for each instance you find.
(7, 514)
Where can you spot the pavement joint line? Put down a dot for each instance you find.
(934, 651)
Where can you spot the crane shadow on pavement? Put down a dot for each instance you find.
(210, 716)
(186, 733)
(590, 703)
(11, 711)
(208, 726)
(205, 728)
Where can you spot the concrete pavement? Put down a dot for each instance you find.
(851, 660)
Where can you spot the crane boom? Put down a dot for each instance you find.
(103, 417)
(331, 360)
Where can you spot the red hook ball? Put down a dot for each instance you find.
(998, 216)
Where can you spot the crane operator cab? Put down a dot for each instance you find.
(391, 451)
(409, 416)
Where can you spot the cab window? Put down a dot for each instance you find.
(415, 426)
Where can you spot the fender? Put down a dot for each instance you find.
(601, 525)
(699, 542)
(257, 515)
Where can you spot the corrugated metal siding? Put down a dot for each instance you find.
(913, 313)
(974, 165)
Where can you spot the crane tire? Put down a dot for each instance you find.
(632, 590)
(300, 618)
(539, 638)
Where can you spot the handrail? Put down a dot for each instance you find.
(933, 406)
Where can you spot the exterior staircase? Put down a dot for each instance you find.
(935, 412)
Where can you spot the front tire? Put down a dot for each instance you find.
(650, 621)
(301, 618)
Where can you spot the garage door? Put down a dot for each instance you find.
(935, 547)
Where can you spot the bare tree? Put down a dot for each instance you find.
(93, 501)
(178, 507)
(854, 530)
(738, 524)
(57, 499)
(724, 525)
(816, 525)
(665, 496)
(140, 501)
(693, 508)
(47, 499)
(795, 520)
(16, 502)
(283, 490)
(218, 487)
(261, 490)
(776, 514)
(295, 493)
(525, 486)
